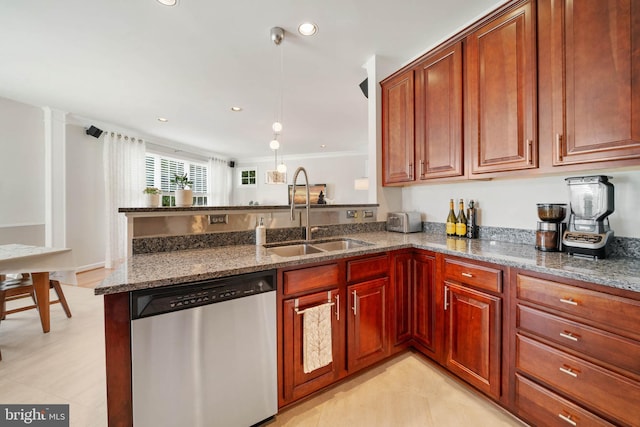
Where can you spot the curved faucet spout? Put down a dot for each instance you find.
(307, 204)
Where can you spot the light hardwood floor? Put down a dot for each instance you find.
(67, 366)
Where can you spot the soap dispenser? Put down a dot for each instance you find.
(261, 233)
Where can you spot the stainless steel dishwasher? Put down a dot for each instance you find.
(204, 353)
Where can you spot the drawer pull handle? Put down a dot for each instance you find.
(446, 298)
(569, 371)
(467, 274)
(568, 335)
(338, 308)
(568, 419)
(569, 301)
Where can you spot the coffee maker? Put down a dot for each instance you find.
(551, 226)
(592, 201)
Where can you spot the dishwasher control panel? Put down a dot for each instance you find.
(150, 302)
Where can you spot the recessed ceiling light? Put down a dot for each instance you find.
(323, 145)
(307, 28)
(168, 2)
(236, 109)
(163, 119)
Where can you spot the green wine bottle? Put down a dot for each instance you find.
(451, 220)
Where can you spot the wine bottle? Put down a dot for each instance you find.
(451, 220)
(472, 229)
(461, 221)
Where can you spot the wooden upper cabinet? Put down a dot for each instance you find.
(590, 79)
(500, 118)
(398, 129)
(438, 104)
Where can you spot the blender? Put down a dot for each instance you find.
(550, 226)
(588, 232)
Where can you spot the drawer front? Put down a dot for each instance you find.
(306, 279)
(545, 408)
(617, 312)
(596, 387)
(479, 276)
(367, 268)
(609, 348)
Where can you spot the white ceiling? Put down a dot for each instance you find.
(126, 62)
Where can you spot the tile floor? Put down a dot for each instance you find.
(67, 366)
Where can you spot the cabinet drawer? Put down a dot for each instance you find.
(479, 276)
(367, 268)
(616, 312)
(545, 408)
(596, 387)
(306, 279)
(601, 345)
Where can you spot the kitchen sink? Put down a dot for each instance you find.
(314, 247)
(341, 244)
(296, 249)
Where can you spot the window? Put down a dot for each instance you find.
(248, 177)
(160, 170)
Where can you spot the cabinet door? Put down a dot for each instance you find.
(296, 383)
(424, 321)
(398, 129)
(402, 297)
(591, 51)
(438, 104)
(473, 337)
(501, 96)
(367, 336)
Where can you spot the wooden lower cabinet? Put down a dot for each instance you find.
(473, 336)
(576, 353)
(403, 290)
(545, 408)
(424, 302)
(297, 383)
(367, 335)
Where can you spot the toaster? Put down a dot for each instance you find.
(404, 222)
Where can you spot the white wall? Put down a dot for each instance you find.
(339, 173)
(85, 222)
(21, 173)
(512, 203)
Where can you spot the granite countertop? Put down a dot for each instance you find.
(169, 268)
(167, 209)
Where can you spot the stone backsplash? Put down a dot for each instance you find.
(620, 247)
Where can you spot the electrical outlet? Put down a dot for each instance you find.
(367, 214)
(219, 219)
(352, 214)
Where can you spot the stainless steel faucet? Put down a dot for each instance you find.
(307, 205)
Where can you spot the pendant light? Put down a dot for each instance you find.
(277, 36)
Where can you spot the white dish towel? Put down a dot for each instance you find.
(316, 337)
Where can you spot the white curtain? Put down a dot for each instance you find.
(220, 182)
(124, 180)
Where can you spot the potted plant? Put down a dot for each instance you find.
(152, 197)
(184, 196)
